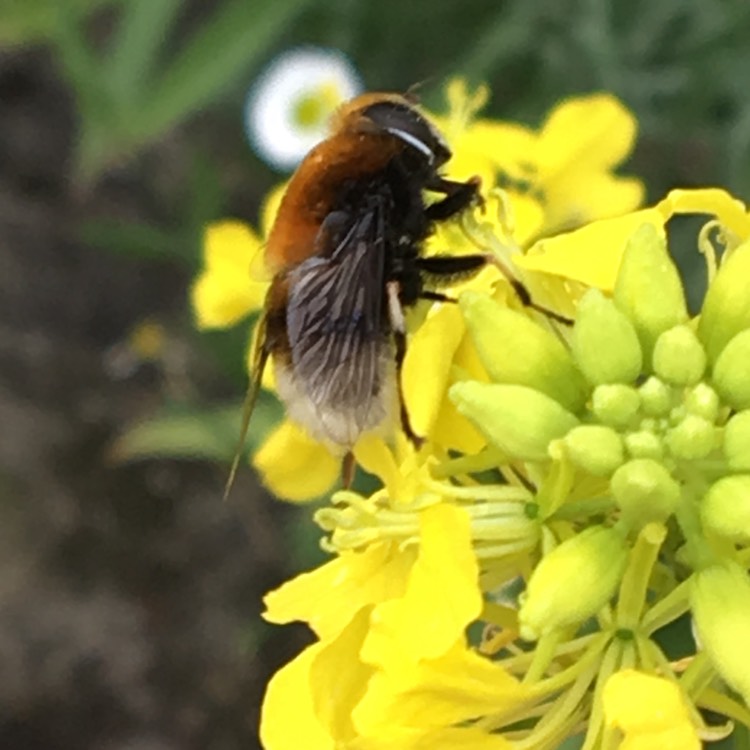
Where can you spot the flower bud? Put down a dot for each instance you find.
(737, 442)
(648, 288)
(644, 444)
(520, 421)
(703, 401)
(656, 397)
(514, 349)
(573, 582)
(720, 600)
(726, 307)
(694, 437)
(595, 449)
(730, 372)
(679, 357)
(644, 491)
(605, 344)
(615, 405)
(725, 509)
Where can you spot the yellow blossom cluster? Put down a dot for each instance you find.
(508, 584)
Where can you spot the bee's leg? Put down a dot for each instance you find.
(447, 269)
(436, 297)
(347, 470)
(398, 326)
(458, 196)
(523, 294)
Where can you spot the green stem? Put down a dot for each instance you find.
(698, 676)
(500, 551)
(634, 584)
(489, 458)
(713, 700)
(487, 492)
(544, 653)
(583, 509)
(672, 606)
(560, 712)
(698, 551)
(561, 679)
(608, 665)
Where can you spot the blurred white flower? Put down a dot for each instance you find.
(288, 108)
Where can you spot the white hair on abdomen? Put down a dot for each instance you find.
(335, 424)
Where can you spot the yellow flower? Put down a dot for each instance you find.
(649, 711)
(591, 255)
(559, 177)
(294, 466)
(373, 679)
(225, 293)
(328, 598)
(515, 594)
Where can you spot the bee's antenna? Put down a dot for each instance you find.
(412, 93)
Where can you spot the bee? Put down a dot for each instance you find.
(346, 251)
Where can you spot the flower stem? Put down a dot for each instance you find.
(635, 580)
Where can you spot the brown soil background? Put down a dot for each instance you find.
(129, 595)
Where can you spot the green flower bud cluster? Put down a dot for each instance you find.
(649, 403)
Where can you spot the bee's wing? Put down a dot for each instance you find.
(335, 322)
(258, 364)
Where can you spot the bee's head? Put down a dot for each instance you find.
(397, 116)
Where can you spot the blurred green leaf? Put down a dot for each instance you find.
(213, 59)
(143, 28)
(136, 239)
(741, 737)
(81, 65)
(126, 102)
(195, 433)
(30, 21)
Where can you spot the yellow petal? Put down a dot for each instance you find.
(231, 244)
(504, 142)
(529, 218)
(457, 687)
(270, 207)
(224, 292)
(591, 131)
(376, 458)
(443, 582)
(590, 255)
(454, 432)
(579, 197)
(295, 467)
(338, 679)
(447, 738)
(328, 597)
(459, 738)
(731, 212)
(288, 718)
(427, 366)
(650, 711)
(220, 300)
(467, 163)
